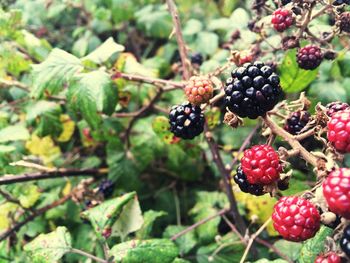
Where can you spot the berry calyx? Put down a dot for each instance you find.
(186, 120)
(261, 164)
(309, 57)
(336, 192)
(344, 22)
(295, 218)
(296, 122)
(336, 106)
(241, 180)
(253, 90)
(330, 257)
(339, 131)
(345, 241)
(199, 89)
(282, 19)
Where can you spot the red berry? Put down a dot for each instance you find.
(282, 19)
(261, 164)
(330, 257)
(336, 190)
(309, 57)
(199, 89)
(295, 218)
(339, 131)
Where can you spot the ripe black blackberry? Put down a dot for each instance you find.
(336, 106)
(309, 57)
(186, 121)
(285, 2)
(197, 58)
(106, 188)
(344, 22)
(241, 180)
(345, 241)
(296, 122)
(253, 90)
(283, 184)
(340, 2)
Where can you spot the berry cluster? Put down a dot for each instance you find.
(330, 257)
(339, 131)
(186, 120)
(253, 90)
(199, 89)
(296, 122)
(295, 218)
(309, 57)
(282, 19)
(261, 164)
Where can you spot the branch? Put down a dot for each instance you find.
(179, 38)
(9, 83)
(57, 173)
(226, 178)
(294, 143)
(201, 222)
(88, 255)
(155, 81)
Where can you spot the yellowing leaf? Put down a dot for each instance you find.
(127, 63)
(29, 194)
(67, 188)
(68, 128)
(257, 206)
(44, 148)
(5, 209)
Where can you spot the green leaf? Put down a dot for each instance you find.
(48, 248)
(288, 248)
(122, 10)
(186, 242)
(207, 43)
(28, 194)
(130, 220)
(92, 93)
(7, 148)
(149, 217)
(153, 250)
(14, 133)
(104, 52)
(104, 216)
(293, 78)
(314, 246)
(327, 91)
(50, 76)
(193, 26)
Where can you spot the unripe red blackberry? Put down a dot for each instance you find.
(261, 164)
(345, 241)
(339, 131)
(296, 122)
(241, 180)
(186, 121)
(344, 22)
(330, 257)
(253, 90)
(309, 57)
(199, 89)
(336, 106)
(282, 19)
(295, 218)
(336, 190)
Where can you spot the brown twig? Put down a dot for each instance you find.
(57, 173)
(179, 38)
(226, 178)
(201, 222)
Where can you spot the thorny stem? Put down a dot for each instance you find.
(88, 255)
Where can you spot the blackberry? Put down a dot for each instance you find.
(241, 180)
(285, 2)
(186, 120)
(340, 2)
(345, 241)
(336, 106)
(296, 122)
(282, 19)
(197, 58)
(253, 90)
(344, 22)
(309, 57)
(106, 188)
(283, 184)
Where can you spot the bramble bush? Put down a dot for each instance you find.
(174, 131)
